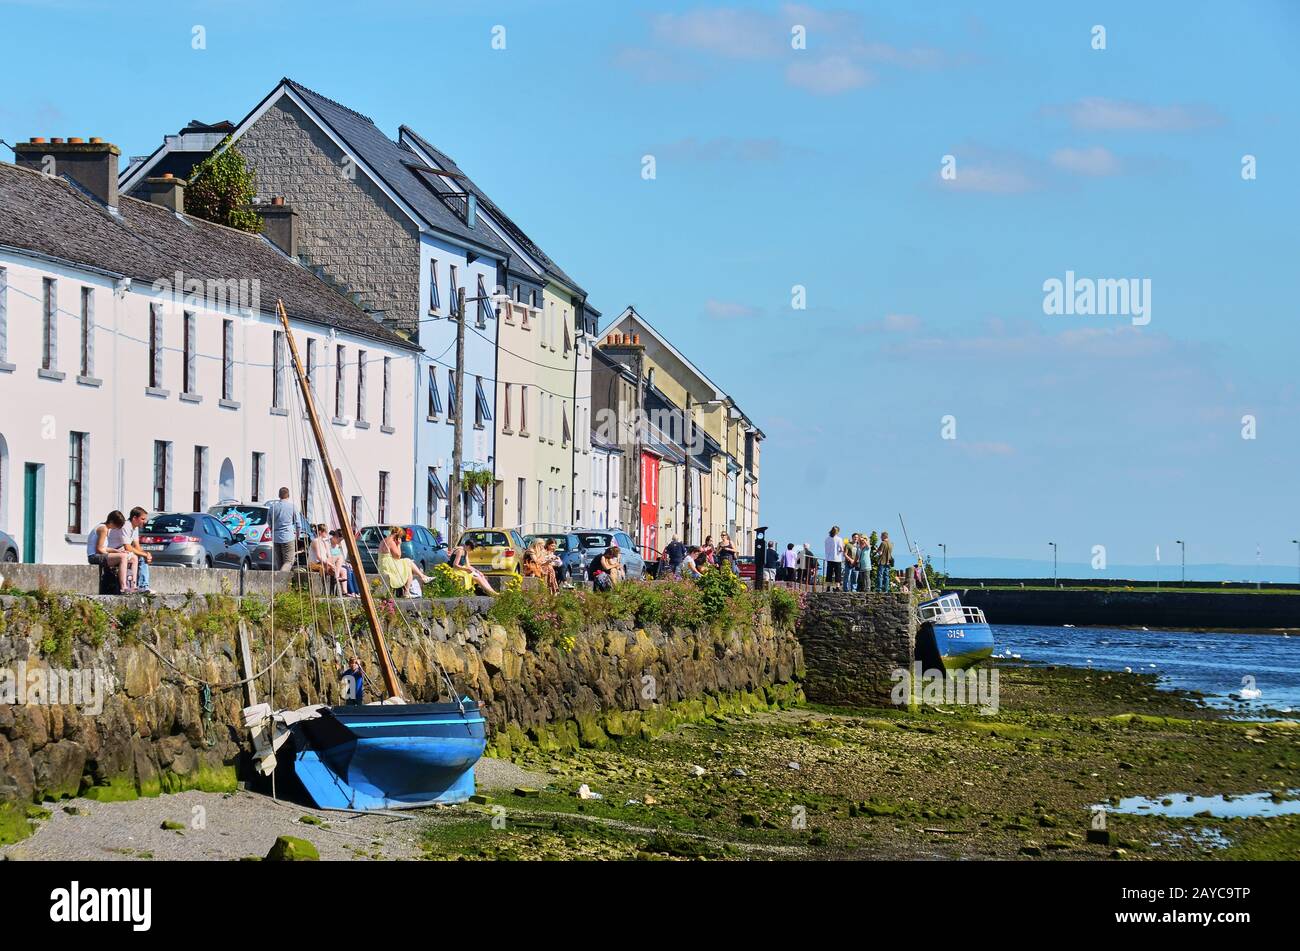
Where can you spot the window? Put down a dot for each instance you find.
(505, 420)
(356, 510)
(304, 493)
(227, 359)
(523, 501)
(4, 314)
(434, 303)
(255, 490)
(189, 379)
(544, 328)
(454, 300)
(361, 386)
(339, 384)
(435, 398)
(482, 412)
(87, 332)
(566, 435)
(311, 366)
(388, 391)
(567, 345)
(50, 325)
(453, 404)
(523, 411)
(200, 477)
(277, 370)
(484, 305)
(76, 480)
(437, 492)
(383, 497)
(162, 452)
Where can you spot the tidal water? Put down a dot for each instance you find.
(1252, 675)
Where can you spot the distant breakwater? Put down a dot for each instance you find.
(1118, 608)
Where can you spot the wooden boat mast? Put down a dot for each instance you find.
(349, 539)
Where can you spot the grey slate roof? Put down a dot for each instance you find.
(390, 162)
(54, 217)
(446, 162)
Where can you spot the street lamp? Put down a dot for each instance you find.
(945, 558)
(1296, 542)
(1183, 549)
(1055, 584)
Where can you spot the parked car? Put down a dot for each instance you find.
(570, 551)
(497, 551)
(594, 541)
(8, 548)
(250, 523)
(193, 540)
(745, 565)
(420, 545)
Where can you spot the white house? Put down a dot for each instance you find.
(142, 362)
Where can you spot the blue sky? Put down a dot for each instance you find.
(820, 167)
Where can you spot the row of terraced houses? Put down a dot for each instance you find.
(142, 360)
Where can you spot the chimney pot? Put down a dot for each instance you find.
(38, 139)
(56, 141)
(636, 339)
(96, 140)
(168, 175)
(278, 201)
(76, 140)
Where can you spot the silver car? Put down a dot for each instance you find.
(193, 540)
(8, 548)
(249, 522)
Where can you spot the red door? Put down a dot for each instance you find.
(649, 504)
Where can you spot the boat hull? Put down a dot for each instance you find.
(954, 646)
(390, 756)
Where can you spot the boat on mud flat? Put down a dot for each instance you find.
(390, 756)
(952, 635)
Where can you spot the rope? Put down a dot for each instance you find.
(224, 685)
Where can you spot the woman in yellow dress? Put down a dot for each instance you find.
(396, 570)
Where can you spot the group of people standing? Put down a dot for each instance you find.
(857, 562)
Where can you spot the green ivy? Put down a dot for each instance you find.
(221, 189)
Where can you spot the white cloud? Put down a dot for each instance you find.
(1096, 161)
(728, 310)
(827, 77)
(735, 34)
(1123, 115)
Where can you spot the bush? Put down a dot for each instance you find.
(784, 607)
(448, 583)
(718, 587)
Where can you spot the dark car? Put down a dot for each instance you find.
(591, 542)
(570, 550)
(193, 540)
(8, 548)
(249, 521)
(420, 545)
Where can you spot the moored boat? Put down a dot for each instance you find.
(952, 635)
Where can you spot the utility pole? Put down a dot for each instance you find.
(945, 558)
(1183, 550)
(458, 430)
(688, 427)
(1055, 583)
(1296, 542)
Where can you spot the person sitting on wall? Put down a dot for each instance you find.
(689, 569)
(340, 554)
(394, 568)
(322, 561)
(459, 561)
(561, 569)
(131, 542)
(105, 548)
(537, 564)
(606, 570)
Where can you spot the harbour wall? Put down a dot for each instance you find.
(160, 730)
(852, 643)
(1117, 608)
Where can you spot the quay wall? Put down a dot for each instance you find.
(159, 730)
(1111, 608)
(852, 643)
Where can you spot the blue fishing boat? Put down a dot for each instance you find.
(369, 756)
(952, 636)
(390, 756)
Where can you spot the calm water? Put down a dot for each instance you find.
(1221, 666)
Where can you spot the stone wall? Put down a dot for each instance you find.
(1178, 609)
(154, 734)
(852, 643)
(345, 221)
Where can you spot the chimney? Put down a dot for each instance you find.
(280, 225)
(166, 190)
(92, 165)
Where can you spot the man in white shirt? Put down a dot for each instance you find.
(131, 541)
(834, 556)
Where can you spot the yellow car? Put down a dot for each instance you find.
(497, 551)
